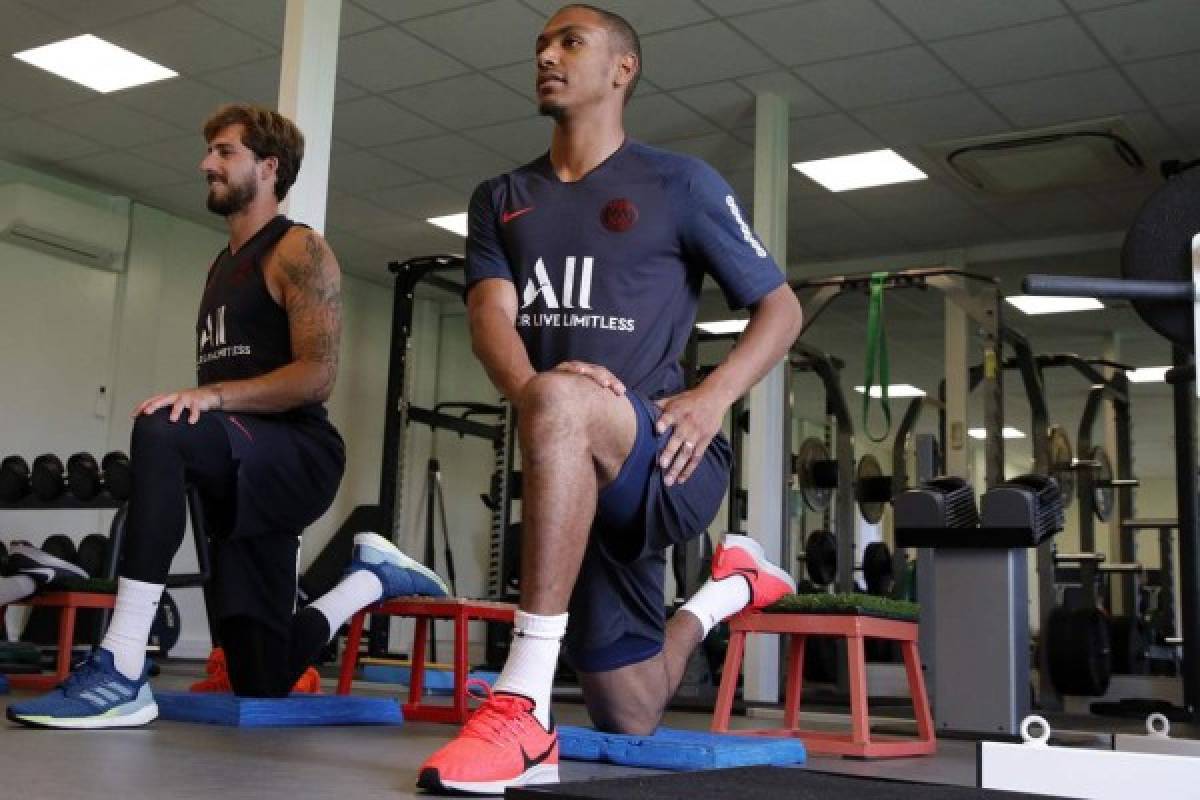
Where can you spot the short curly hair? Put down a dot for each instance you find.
(267, 134)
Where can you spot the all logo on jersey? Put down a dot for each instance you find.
(547, 305)
(212, 344)
(619, 215)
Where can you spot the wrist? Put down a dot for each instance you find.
(218, 392)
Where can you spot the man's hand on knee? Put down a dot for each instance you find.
(194, 401)
(695, 417)
(601, 375)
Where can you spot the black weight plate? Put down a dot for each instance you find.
(1129, 649)
(61, 546)
(877, 569)
(1062, 458)
(869, 506)
(83, 476)
(1103, 498)
(164, 631)
(117, 476)
(1079, 651)
(815, 488)
(820, 557)
(1158, 247)
(14, 479)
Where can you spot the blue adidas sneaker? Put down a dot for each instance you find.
(95, 695)
(400, 575)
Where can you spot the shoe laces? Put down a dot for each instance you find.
(499, 717)
(81, 677)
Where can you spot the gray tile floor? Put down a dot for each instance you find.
(175, 760)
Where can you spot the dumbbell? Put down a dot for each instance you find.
(86, 479)
(14, 479)
(47, 478)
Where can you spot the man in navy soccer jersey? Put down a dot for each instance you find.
(584, 271)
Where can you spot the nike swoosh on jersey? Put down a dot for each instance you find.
(509, 216)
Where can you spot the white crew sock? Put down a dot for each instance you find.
(718, 600)
(133, 615)
(356, 591)
(18, 587)
(532, 660)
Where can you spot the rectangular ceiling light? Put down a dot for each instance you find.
(95, 63)
(455, 223)
(1148, 375)
(724, 326)
(894, 390)
(860, 170)
(1006, 432)
(1034, 304)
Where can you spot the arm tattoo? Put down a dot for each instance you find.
(313, 302)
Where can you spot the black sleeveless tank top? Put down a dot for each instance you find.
(241, 332)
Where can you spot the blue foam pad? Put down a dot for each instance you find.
(678, 750)
(3, 684)
(437, 681)
(296, 711)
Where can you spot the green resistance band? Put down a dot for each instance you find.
(877, 354)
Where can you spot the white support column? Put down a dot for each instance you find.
(306, 87)
(763, 459)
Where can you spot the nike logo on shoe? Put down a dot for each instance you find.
(533, 762)
(45, 573)
(509, 216)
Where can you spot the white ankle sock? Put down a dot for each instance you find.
(718, 600)
(357, 590)
(532, 660)
(18, 587)
(133, 615)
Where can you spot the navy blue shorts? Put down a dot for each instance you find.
(617, 609)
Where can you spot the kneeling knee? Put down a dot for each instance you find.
(627, 724)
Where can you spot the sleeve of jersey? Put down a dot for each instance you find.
(485, 251)
(716, 232)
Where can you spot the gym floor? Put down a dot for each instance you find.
(177, 760)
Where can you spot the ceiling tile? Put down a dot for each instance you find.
(395, 11)
(723, 103)
(849, 239)
(185, 40)
(372, 121)
(1168, 81)
(182, 153)
(938, 19)
(253, 82)
(1147, 30)
(644, 17)
(387, 58)
(907, 73)
(28, 89)
(823, 29)
(25, 27)
(360, 171)
(1150, 132)
(90, 14)
(1029, 51)
(32, 139)
(419, 201)
(520, 78)
(361, 258)
(1091, 5)
(917, 198)
(521, 140)
(1053, 214)
(486, 35)
(122, 171)
(952, 229)
(1066, 98)
(723, 151)
(261, 19)
(670, 62)
(442, 101)
(180, 101)
(111, 124)
(802, 100)
(404, 235)
(448, 156)
(185, 199)
(825, 136)
(658, 117)
(932, 119)
(347, 212)
(1184, 120)
(356, 20)
(729, 8)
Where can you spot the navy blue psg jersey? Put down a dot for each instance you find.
(608, 269)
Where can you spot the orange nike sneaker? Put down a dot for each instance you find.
(218, 676)
(741, 555)
(502, 745)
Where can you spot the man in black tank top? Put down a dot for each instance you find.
(254, 438)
